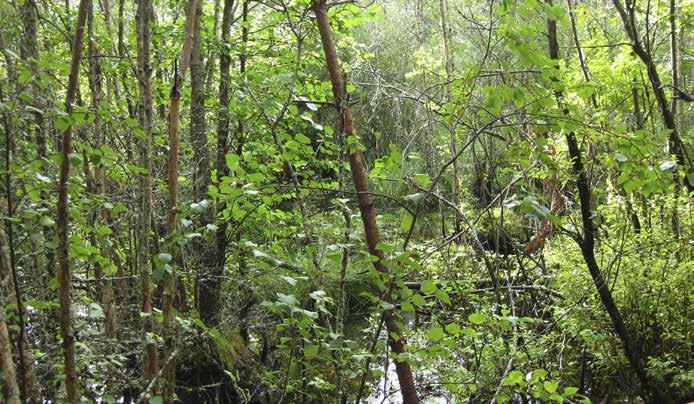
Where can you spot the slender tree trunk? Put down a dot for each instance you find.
(672, 19)
(210, 283)
(211, 52)
(674, 142)
(104, 289)
(9, 388)
(202, 249)
(145, 112)
(17, 323)
(64, 273)
(453, 144)
(368, 212)
(172, 182)
(587, 244)
(633, 216)
(198, 132)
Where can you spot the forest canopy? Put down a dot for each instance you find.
(346, 201)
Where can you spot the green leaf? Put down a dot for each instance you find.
(311, 350)
(435, 334)
(514, 378)
(303, 139)
(406, 221)
(629, 186)
(109, 399)
(62, 123)
(556, 397)
(428, 287)
(477, 318)
(232, 161)
(407, 306)
(470, 332)
(103, 231)
(24, 77)
(418, 300)
(442, 296)
(570, 391)
(550, 386)
(453, 328)
(422, 179)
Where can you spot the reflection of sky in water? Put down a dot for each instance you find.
(388, 390)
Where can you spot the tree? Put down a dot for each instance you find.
(145, 112)
(172, 183)
(366, 206)
(64, 273)
(587, 244)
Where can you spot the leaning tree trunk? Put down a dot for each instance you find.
(366, 206)
(652, 393)
(172, 179)
(64, 275)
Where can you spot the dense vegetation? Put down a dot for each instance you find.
(346, 201)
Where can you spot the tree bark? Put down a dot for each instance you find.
(366, 206)
(17, 323)
(9, 388)
(145, 113)
(104, 288)
(64, 273)
(172, 182)
(210, 282)
(201, 165)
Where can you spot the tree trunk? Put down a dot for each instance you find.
(198, 133)
(633, 216)
(453, 144)
(104, 288)
(9, 388)
(17, 324)
(64, 273)
(366, 206)
(210, 283)
(145, 112)
(587, 244)
(674, 142)
(172, 182)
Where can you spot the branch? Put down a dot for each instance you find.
(151, 384)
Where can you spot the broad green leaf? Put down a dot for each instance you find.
(435, 334)
(477, 318)
(550, 386)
